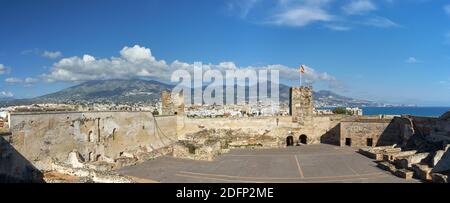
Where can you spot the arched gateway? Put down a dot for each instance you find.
(303, 139)
(290, 141)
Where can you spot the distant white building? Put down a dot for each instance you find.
(355, 111)
(3, 114)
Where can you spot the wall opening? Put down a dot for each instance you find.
(348, 142)
(369, 142)
(290, 141)
(114, 134)
(91, 137)
(303, 139)
(97, 158)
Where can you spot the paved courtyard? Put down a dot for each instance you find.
(303, 164)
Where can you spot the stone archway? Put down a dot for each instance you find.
(303, 139)
(290, 141)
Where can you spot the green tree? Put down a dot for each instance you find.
(341, 110)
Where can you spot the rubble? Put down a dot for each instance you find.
(394, 156)
(75, 160)
(84, 174)
(386, 166)
(378, 153)
(422, 171)
(426, 166)
(440, 178)
(404, 173)
(408, 161)
(210, 143)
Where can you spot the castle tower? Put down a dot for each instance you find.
(301, 104)
(166, 102)
(178, 102)
(172, 104)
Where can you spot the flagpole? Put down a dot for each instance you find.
(302, 72)
(301, 75)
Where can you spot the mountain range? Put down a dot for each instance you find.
(149, 91)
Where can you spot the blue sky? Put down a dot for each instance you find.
(395, 51)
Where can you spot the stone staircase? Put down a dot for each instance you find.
(431, 166)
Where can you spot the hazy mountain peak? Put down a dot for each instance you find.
(149, 91)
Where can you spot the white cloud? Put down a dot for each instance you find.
(357, 7)
(381, 22)
(412, 60)
(133, 61)
(52, 55)
(338, 27)
(2, 69)
(4, 94)
(301, 16)
(138, 61)
(13, 80)
(27, 80)
(447, 9)
(31, 51)
(301, 13)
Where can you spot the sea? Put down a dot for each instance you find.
(416, 111)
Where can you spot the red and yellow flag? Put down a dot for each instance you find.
(302, 69)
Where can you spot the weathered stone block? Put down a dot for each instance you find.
(437, 157)
(386, 166)
(396, 155)
(439, 178)
(404, 173)
(408, 161)
(368, 152)
(422, 172)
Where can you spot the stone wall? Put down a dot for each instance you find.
(362, 132)
(322, 129)
(14, 167)
(277, 127)
(425, 133)
(326, 129)
(97, 136)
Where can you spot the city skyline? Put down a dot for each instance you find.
(365, 49)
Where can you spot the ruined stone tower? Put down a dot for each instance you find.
(301, 104)
(172, 104)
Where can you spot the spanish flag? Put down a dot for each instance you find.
(302, 69)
